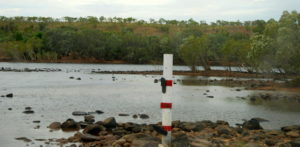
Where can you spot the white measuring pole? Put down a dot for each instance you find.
(166, 104)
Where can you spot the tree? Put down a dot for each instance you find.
(195, 51)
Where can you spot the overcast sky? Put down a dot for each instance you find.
(208, 10)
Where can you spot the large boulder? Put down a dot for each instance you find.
(10, 95)
(93, 129)
(110, 122)
(252, 124)
(70, 125)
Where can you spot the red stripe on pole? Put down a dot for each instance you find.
(165, 105)
(169, 82)
(167, 128)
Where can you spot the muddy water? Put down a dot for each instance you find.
(54, 96)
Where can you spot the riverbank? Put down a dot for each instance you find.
(109, 133)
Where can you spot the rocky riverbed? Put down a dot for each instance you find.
(109, 133)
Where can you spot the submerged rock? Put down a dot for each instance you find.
(79, 113)
(144, 116)
(89, 118)
(23, 139)
(10, 95)
(122, 114)
(28, 111)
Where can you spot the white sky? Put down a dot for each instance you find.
(208, 10)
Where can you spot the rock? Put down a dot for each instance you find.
(99, 111)
(70, 125)
(89, 118)
(290, 128)
(252, 124)
(135, 116)
(9, 109)
(147, 141)
(78, 78)
(87, 137)
(221, 122)
(28, 108)
(223, 130)
(79, 113)
(23, 139)
(71, 77)
(55, 126)
(295, 142)
(93, 129)
(144, 116)
(28, 111)
(271, 142)
(237, 89)
(252, 145)
(84, 124)
(10, 95)
(260, 119)
(180, 140)
(293, 134)
(110, 122)
(188, 126)
(210, 96)
(155, 80)
(119, 132)
(36, 121)
(122, 114)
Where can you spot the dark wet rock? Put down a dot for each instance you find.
(252, 124)
(79, 113)
(290, 128)
(110, 122)
(237, 89)
(9, 109)
(89, 118)
(71, 77)
(28, 111)
(55, 126)
(99, 122)
(155, 80)
(271, 142)
(36, 121)
(37, 127)
(93, 129)
(23, 139)
(78, 78)
(210, 96)
(207, 90)
(99, 111)
(295, 142)
(144, 116)
(134, 116)
(91, 113)
(70, 125)
(10, 95)
(252, 99)
(123, 114)
(28, 108)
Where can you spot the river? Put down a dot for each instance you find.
(54, 96)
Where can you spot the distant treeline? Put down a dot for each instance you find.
(258, 45)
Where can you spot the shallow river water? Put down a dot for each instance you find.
(54, 96)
